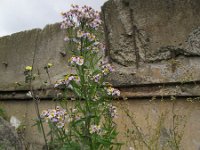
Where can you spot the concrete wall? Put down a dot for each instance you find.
(154, 46)
(155, 41)
(37, 47)
(140, 109)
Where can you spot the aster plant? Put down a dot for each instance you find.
(88, 125)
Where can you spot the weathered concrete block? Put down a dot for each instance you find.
(37, 47)
(153, 41)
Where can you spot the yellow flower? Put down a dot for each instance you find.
(49, 65)
(67, 77)
(28, 68)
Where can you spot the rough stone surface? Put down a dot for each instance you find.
(153, 41)
(9, 139)
(194, 42)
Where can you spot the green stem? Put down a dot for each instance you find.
(36, 100)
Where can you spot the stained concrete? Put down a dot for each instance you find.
(138, 108)
(153, 41)
(36, 47)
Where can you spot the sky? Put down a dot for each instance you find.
(20, 15)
